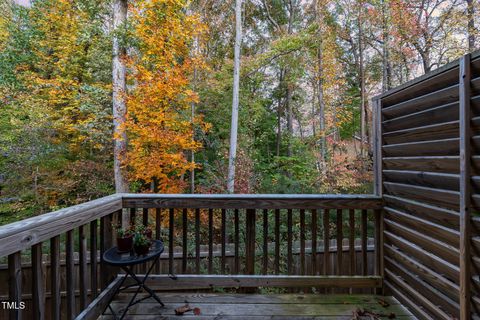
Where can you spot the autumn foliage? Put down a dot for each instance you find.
(159, 124)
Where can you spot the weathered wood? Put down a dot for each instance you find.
(70, 273)
(413, 306)
(171, 224)
(158, 232)
(444, 130)
(15, 284)
(93, 259)
(302, 242)
(186, 282)
(257, 201)
(378, 244)
(277, 241)
(377, 148)
(424, 288)
(420, 103)
(197, 241)
(23, 234)
(83, 281)
(442, 250)
(441, 233)
(446, 181)
(265, 241)
(250, 242)
(447, 164)
(314, 242)
(434, 309)
(435, 115)
(185, 239)
(465, 188)
(97, 306)
(339, 225)
(106, 242)
(237, 242)
(445, 217)
(326, 242)
(443, 147)
(55, 278)
(351, 242)
(364, 236)
(223, 230)
(38, 285)
(289, 242)
(210, 241)
(443, 198)
(425, 257)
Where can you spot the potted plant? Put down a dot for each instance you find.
(124, 239)
(141, 244)
(145, 230)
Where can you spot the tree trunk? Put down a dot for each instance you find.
(288, 110)
(236, 88)
(279, 114)
(119, 90)
(471, 25)
(386, 79)
(320, 93)
(363, 118)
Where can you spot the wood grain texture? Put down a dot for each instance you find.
(258, 201)
(55, 278)
(38, 284)
(15, 284)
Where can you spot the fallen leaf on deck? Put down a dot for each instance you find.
(196, 311)
(181, 310)
(383, 303)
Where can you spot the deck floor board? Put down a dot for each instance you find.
(257, 307)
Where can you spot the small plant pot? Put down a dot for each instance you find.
(141, 250)
(125, 244)
(148, 233)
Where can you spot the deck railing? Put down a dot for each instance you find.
(282, 241)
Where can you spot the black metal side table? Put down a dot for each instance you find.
(126, 261)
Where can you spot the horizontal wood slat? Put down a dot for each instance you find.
(447, 164)
(446, 181)
(446, 130)
(445, 147)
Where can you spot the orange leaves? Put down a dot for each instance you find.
(159, 125)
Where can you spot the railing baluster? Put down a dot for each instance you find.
(265, 241)
(185, 239)
(224, 236)
(93, 259)
(170, 240)
(106, 272)
(158, 233)
(145, 216)
(70, 271)
(15, 284)
(277, 241)
(82, 240)
(379, 246)
(314, 242)
(302, 242)
(339, 241)
(326, 242)
(133, 213)
(250, 239)
(237, 242)
(197, 241)
(210, 241)
(289, 242)
(351, 241)
(364, 242)
(55, 277)
(38, 286)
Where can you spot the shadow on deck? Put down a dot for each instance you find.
(262, 306)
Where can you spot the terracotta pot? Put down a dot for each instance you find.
(141, 250)
(148, 233)
(125, 244)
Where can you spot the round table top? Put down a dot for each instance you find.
(114, 257)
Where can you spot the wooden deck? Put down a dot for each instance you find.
(256, 306)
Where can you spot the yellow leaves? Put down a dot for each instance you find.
(159, 124)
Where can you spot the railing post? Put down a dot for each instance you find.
(250, 245)
(465, 187)
(379, 247)
(15, 284)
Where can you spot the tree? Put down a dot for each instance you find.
(119, 85)
(235, 100)
(158, 124)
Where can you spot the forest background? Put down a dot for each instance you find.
(308, 69)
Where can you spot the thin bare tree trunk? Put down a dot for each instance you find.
(386, 79)
(471, 25)
(119, 90)
(320, 93)
(363, 117)
(236, 88)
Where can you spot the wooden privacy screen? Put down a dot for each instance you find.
(428, 153)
